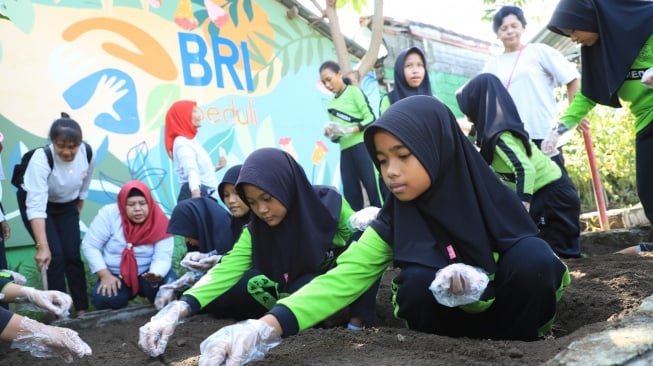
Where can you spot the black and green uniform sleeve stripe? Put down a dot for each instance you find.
(524, 174)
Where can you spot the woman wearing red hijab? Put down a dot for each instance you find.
(128, 248)
(193, 164)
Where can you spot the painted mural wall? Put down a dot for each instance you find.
(117, 65)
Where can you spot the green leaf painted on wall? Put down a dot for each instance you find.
(270, 75)
(21, 13)
(158, 102)
(295, 27)
(280, 31)
(247, 5)
(268, 40)
(299, 56)
(255, 52)
(223, 139)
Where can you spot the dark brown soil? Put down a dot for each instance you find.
(605, 287)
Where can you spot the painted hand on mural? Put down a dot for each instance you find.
(108, 98)
(107, 92)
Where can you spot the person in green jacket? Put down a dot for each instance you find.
(296, 233)
(545, 190)
(350, 113)
(616, 39)
(471, 263)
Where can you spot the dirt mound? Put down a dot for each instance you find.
(605, 287)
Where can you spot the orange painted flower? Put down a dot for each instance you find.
(319, 153)
(184, 16)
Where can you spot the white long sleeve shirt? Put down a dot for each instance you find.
(105, 240)
(67, 181)
(193, 164)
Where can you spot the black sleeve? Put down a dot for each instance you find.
(5, 316)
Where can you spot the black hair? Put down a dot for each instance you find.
(504, 12)
(66, 128)
(135, 192)
(333, 66)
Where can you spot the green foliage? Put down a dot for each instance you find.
(613, 138)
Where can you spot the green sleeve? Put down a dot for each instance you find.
(513, 166)
(344, 233)
(577, 110)
(364, 107)
(226, 274)
(357, 269)
(385, 104)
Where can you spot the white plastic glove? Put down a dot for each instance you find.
(647, 78)
(153, 336)
(549, 145)
(362, 218)
(53, 301)
(459, 284)
(197, 261)
(335, 129)
(557, 137)
(166, 292)
(238, 344)
(47, 341)
(19, 279)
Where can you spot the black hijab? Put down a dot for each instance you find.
(466, 205)
(237, 223)
(203, 219)
(623, 27)
(298, 244)
(488, 105)
(401, 88)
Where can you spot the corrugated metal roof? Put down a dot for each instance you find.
(563, 44)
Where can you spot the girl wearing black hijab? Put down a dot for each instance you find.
(546, 192)
(239, 209)
(206, 227)
(295, 234)
(616, 39)
(411, 77)
(449, 216)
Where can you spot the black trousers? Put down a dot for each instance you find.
(3, 261)
(64, 239)
(356, 168)
(555, 209)
(525, 285)
(644, 169)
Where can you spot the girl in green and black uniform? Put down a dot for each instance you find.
(295, 234)
(545, 191)
(351, 112)
(616, 39)
(448, 218)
